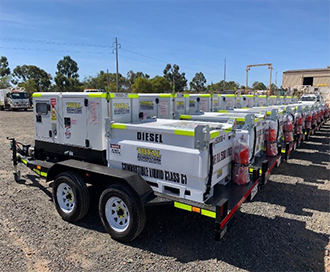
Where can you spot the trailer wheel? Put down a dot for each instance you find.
(71, 196)
(121, 213)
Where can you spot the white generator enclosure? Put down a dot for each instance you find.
(260, 101)
(179, 158)
(227, 101)
(156, 105)
(245, 101)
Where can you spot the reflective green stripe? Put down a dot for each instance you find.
(186, 95)
(185, 116)
(182, 206)
(240, 119)
(251, 170)
(223, 111)
(97, 95)
(37, 171)
(205, 95)
(208, 213)
(283, 150)
(262, 96)
(24, 161)
(36, 95)
(184, 133)
(118, 126)
(228, 129)
(165, 95)
(246, 108)
(229, 95)
(249, 95)
(215, 134)
(43, 174)
(133, 96)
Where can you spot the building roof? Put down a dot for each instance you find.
(309, 70)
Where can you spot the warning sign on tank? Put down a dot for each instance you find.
(115, 149)
(149, 155)
(121, 108)
(73, 108)
(146, 105)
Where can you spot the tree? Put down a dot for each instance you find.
(5, 82)
(160, 85)
(258, 86)
(273, 89)
(66, 78)
(224, 85)
(33, 78)
(131, 76)
(100, 81)
(197, 84)
(142, 85)
(4, 67)
(174, 77)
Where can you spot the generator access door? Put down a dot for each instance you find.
(43, 127)
(75, 121)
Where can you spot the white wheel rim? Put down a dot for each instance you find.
(117, 214)
(65, 197)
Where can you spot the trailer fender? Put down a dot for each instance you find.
(108, 176)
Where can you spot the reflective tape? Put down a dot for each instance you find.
(215, 134)
(24, 161)
(208, 213)
(97, 95)
(205, 95)
(165, 95)
(182, 206)
(36, 95)
(133, 96)
(223, 111)
(190, 209)
(185, 116)
(118, 126)
(184, 133)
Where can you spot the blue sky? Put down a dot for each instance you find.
(196, 35)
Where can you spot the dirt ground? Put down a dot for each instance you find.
(286, 227)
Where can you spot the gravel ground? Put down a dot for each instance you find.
(286, 228)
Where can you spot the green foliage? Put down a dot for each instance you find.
(160, 85)
(33, 78)
(198, 82)
(66, 78)
(4, 67)
(142, 85)
(177, 80)
(5, 82)
(223, 86)
(273, 89)
(101, 82)
(131, 76)
(258, 86)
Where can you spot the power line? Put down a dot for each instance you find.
(52, 42)
(55, 50)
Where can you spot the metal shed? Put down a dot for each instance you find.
(306, 77)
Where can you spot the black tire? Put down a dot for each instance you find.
(136, 212)
(76, 190)
(25, 109)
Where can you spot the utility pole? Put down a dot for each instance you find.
(117, 75)
(224, 71)
(276, 78)
(224, 75)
